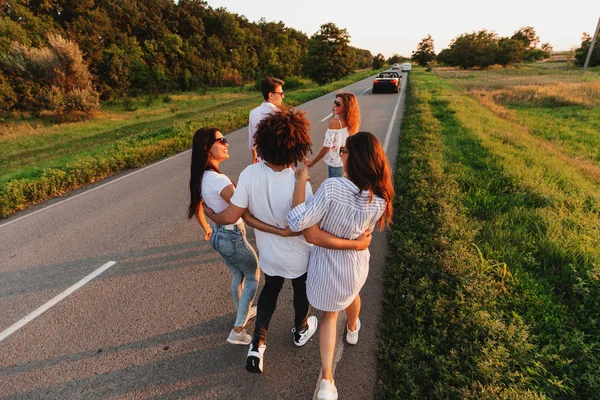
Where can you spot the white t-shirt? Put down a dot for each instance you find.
(268, 195)
(213, 184)
(256, 116)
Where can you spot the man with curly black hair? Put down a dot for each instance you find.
(266, 189)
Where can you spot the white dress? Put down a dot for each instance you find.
(335, 277)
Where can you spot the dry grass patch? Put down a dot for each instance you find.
(557, 94)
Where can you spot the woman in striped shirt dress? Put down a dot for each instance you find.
(344, 207)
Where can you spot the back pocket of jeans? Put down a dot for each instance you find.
(225, 245)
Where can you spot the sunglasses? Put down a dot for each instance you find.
(222, 140)
(279, 93)
(337, 103)
(343, 150)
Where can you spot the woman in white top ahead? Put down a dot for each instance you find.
(344, 122)
(344, 207)
(209, 186)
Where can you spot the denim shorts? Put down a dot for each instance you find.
(335, 172)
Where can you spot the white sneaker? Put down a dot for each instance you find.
(327, 390)
(352, 336)
(239, 338)
(254, 361)
(251, 314)
(300, 338)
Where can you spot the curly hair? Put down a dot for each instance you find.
(351, 111)
(283, 138)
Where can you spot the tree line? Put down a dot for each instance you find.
(64, 55)
(484, 48)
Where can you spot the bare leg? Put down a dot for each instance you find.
(327, 336)
(352, 312)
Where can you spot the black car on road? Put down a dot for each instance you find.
(387, 81)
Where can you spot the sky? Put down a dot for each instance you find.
(397, 26)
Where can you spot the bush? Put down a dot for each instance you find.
(56, 75)
(231, 77)
(166, 98)
(293, 82)
(128, 104)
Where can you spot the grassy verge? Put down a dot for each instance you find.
(40, 161)
(493, 280)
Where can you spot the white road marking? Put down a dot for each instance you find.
(327, 117)
(365, 91)
(108, 183)
(30, 317)
(389, 131)
(91, 190)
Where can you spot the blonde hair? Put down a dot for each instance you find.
(351, 111)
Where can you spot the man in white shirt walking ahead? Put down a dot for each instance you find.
(272, 91)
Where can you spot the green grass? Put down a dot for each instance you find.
(39, 159)
(492, 286)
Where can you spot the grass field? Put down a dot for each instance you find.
(40, 159)
(493, 280)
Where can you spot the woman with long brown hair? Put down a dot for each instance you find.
(345, 208)
(209, 186)
(344, 122)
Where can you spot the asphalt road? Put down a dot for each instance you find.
(153, 322)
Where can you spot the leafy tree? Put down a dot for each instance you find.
(530, 40)
(362, 58)
(582, 52)
(469, 50)
(395, 58)
(378, 61)
(58, 75)
(510, 51)
(527, 36)
(425, 52)
(329, 56)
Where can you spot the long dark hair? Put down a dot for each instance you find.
(368, 168)
(203, 141)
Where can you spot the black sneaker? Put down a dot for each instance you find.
(254, 361)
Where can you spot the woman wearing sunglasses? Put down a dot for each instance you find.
(345, 208)
(209, 186)
(344, 122)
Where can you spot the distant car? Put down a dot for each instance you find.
(396, 66)
(387, 81)
(406, 67)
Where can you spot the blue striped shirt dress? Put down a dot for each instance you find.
(335, 277)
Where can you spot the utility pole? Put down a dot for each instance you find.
(589, 55)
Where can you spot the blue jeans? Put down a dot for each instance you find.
(241, 260)
(335, 172)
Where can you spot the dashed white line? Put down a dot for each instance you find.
(108, 183)
(327, 117)
(365, 91)
(30, 317)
